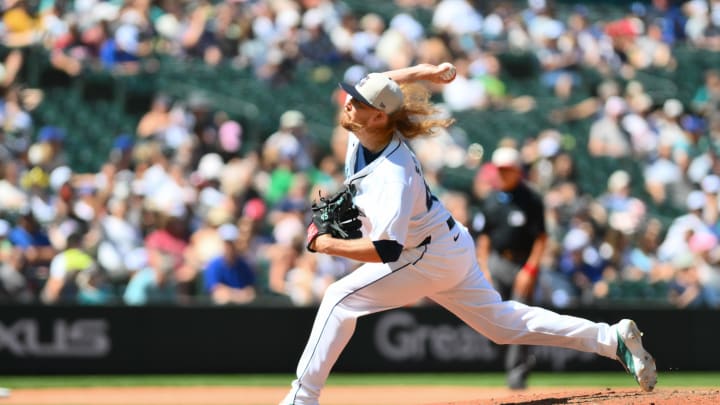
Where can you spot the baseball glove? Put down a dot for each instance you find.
(336, 215)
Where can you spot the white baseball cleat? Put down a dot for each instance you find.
(633, 356)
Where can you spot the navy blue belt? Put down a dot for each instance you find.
(450, 223)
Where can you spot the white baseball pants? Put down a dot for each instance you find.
(446, 271)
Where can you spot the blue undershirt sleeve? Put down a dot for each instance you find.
(388, 250)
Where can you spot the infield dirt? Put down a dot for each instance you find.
(365, 395)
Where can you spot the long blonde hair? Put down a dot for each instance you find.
(418, 116)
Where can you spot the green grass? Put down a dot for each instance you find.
(580, 379)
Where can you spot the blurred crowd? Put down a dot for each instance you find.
(181, 213)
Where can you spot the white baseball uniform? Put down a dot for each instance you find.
(438, 261)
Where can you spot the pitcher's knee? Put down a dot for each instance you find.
(336, 292)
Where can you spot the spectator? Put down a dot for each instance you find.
(292, 142)
(17, 124)
(624, 212)
(314, 44)
(73, 276)
(710, 185)
(684, 226)
(558, 62)
(157, 119)
(168, 244)
(685, 287)
(152, 280)
(13, 287)
(706, 100)
(668, 122)
(119, 238)
(464, 93)
(583, 265)
(37, 252)
(12, 196)
(704, 247)
(642, 262)
(229, 278)
(606, 135)
(664, 179)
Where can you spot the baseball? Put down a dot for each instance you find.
(449, 74)
(4, 392)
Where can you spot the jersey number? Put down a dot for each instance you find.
(429, 196)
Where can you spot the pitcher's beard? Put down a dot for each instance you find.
(349, 125)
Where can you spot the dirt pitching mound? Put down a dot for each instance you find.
(361, 395)
(607, 396)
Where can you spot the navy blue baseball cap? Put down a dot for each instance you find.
(50, 133)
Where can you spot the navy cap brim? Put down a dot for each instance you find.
(352, 91)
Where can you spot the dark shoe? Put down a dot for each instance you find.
(517, 376)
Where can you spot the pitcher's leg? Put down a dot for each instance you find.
(506, 322)
(371, 288)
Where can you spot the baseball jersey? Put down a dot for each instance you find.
(392, 194)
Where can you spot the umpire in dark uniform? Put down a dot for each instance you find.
(510, 246)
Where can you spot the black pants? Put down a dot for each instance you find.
(517, 357)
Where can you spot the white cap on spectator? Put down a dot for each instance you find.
(59, 176)
(210, 166)
(549, 146)
(4, 228)
(672, 108)
(292, 119)
(378, 91)
(711, 183)
(506, 157)
(576, 239)
(618, 180)
(39, 153)
(228, 232)
(167, 26)
(287, 18)
(312, 18)
(493, 25)
(127, 38)
(695, 200)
